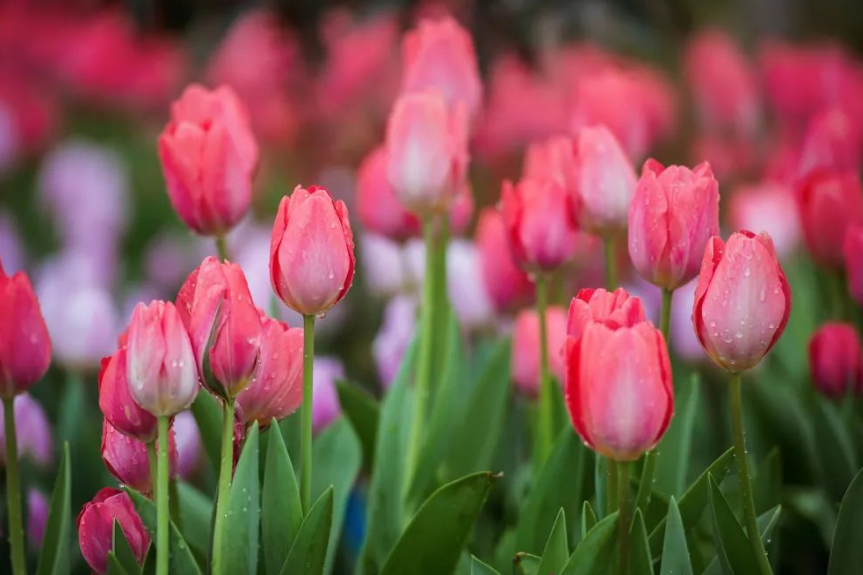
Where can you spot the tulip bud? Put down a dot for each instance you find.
(127, 459)
(223, 323)
(836, 360)
(209, 157)
(25, 348)
(426, 152)
(163, 377)
(96, 528)
(854, 262)
(276, 389)
(742, 301)
(325, 400)
(673, 214)
(117, 404)
(33, 432)
(829, 204)
(311, 251)
(540, 224)
(506, 284)
(614, 309)
(525, 347)
(37, 518)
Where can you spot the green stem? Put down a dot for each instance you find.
(743, 475)
(151, 459)
(222, 247)
(162, 551)
(13, 490)
(226, 469)
(545, 418)
(306, 424)
(610, 261)
(611, 486)
(623, 520)
(665, 319)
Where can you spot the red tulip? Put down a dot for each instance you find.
(854, 262)
(506, 284)
(276, 389)
(830, 203)
(117, 404)
(209, 158)
(127, 459)
(742, 301)
(311, 251)
(96, 528)
(223, 323)
(525, 347)
(614, 309)
(25, 347)
(163, 374)
(673, 214)
(836, 360)
(832, 142)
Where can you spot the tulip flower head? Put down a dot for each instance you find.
(127, 460)
(506, 284)
(836, 360)
(615, 309)
(830, 203)
(96, 528)
(853, 251)
(35, 440)
(116, 401)
(525, 347)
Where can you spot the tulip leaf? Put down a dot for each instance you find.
(477, 567)
(835, 452)
(594, 552)
(281, 510)
(735, 554)
(768, 482)
(244, 507)
(766, 524)
(600, 482)
(435, 537)
(54, 559)
(196, 510)
(208, 416)
(556, 552)
(113, 565)
(122, 551)
(526, 564)
(308, 554)
(675, 552)
(588, 519)
(846, 554)
(180, 559)
(363, 411)
(640, 561)
(674, 449)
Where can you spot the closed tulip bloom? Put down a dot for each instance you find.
(223, 323)
(116, 401)
(96, 528)
(506, 284)
(163, 374)
(25, 347)
(380, 211)
(832, 142)
(605, 181)
(276, 389)
(618, 388)
(540, 224)
(426, 152)
(127, 460)
(830, 203)
(836, 360)
(35, 440)
(614, 309)
(553, 158)
(209, 157)
(742, 301)
(673, 214)
(311, 251)
(854, 262)
(525, 347)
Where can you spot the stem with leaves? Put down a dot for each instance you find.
(13, 490)
(226, 468)
(306, 423)
(162, 513)
(623, 506)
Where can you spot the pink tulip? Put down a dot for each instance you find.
(673, 214)
(836, 360)
(96, 528)
(525, 347)
(614, 309)
(127, 459)
(540, 224)
(276, 389)
(209, 158)
(507, 285)
(853, 251)
(767, 206)
(33, 432)
(832, 142)
(117, 404)
(25, 347)
(224, 325)
(552, 159)
(426, 151)
(311, 251)
(742, 301)
(37, 517)
(830, 203)
(380, 211)
(162, 371)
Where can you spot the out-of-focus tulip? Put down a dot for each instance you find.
(311, 251)
(37, 517)
(506, 284)
(224, 325)
(525, 347)
(33, 432)
(11, 248)
(426, 151)
(127, 460)
(276, 389)
(327, 370)
(162, 371)
(384, 268)
(25, 347)
(96, 528)
(394, 336)
(465, 287)
(853, 251)
(830, 203)
(771, 207)
(380, 211)
(742, 301)
(28, 118)
(552, 159)
(187, 437)
(117, 404)
(682, 337)
(673, 214)
(832, 142)
(540, 224)
(439, 55)
(836, 360)
(614, 309)
(605, 181)
(209, 158)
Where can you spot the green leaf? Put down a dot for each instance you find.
(735, 554)
(114, 567)
(835, 450)
(640, 562)
(308, 554)
(196, 513)
(674, 449)
(54, 559)
(766, 524)
(208, 416)
(846, 554)
(180, 559)
(436, 535)
(594, 552)
(675, 553)
(122, 551)
(556, 552)
(526, 564)
(588, 519)
(363, 411)
(244, 508)
(600, 482)
(281, 510)
(338, 456)
(767, 484)
(477, 567)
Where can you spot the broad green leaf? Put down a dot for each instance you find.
(640, 562)
(363, 411)
(181, 559)
(594, 552)
(122, 551)
(436, 535)
(477, 567)
(846, 554)
(588, 519)
(674, 449)
(308, 554)
(113, 565)
(600, 482)
(242, 528)
(556, 552)
(526, 564)
(835, 452)
(675, 553)
(54, 559)
(766, 524)
(208, 416)
(735, 554)
(281, 510)
(292, 430)
(196, 512)
(767, 484)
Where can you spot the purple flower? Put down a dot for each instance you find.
(37, 517)
(32, 432)
(683, 338)
(384, 263)
(11, 250)
(393, 339)
(188, 441)
(325, 400)
(466, 287)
